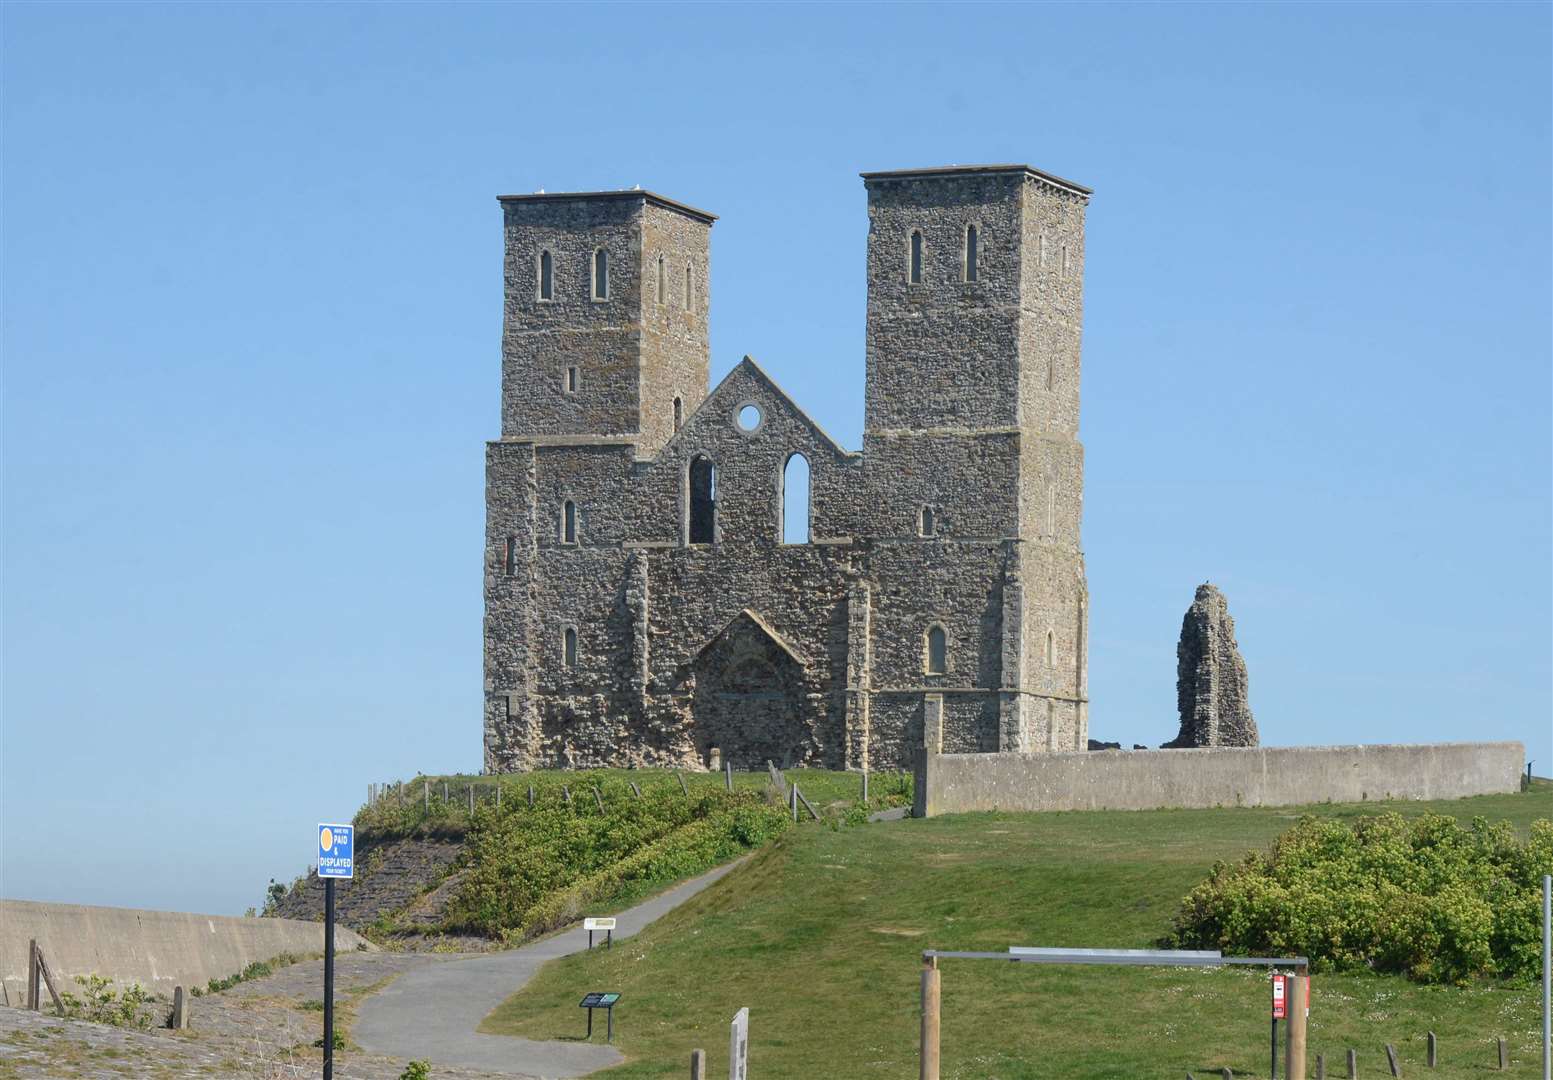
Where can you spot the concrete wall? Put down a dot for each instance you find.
(157, 949)
(1249, 776)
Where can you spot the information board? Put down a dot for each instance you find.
(598, 924)
(1280, 1005)
(739, 1046)
(336, 851)
(598, 1000)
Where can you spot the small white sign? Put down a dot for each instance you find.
(739, 1046)
(598, 924)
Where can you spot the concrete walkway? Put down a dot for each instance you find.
(431, 1013)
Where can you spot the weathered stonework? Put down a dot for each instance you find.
(643, 609)
(1211, 677)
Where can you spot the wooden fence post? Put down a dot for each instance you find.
(1321, 1067)
(32, 975)
(1432, 1059)
(498, 794)
(728, 775)
(698, 1065)
(598, 799)
(1353, 1064)
(634, 788)
(1504, 1054)
(471, 799)
(1391, 1059)
(807, 805)
(681, 778)
(180, 1009)
(426, 784)
(930, 1008)
(1294, 1067)
(444, 791)
(531, 796)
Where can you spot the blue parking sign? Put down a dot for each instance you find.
(336, 851)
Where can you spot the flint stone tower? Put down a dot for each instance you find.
(641, 605)
(1211, 677)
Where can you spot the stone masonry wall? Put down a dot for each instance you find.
(811, 653)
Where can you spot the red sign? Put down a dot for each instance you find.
(1279, 1003)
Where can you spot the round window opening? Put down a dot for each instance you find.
(749, 418)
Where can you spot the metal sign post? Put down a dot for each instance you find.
(1278, 1014)
(594, 925)
(601, 1000)
(336, 859)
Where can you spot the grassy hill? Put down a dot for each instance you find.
(821, 936)
(491, 857)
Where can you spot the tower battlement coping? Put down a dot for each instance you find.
(600, 196)
(947, 172)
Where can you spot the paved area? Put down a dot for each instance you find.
(431, 1012)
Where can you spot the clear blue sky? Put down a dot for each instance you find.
(252, 293)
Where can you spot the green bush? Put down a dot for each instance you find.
(416, 1070)
(572, 853)
(102, 1004)
(1427, 897)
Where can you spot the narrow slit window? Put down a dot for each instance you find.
(1051, 510)
(1051, 649)
(660, 279)
(795, 500)
(679, 409)
(1064, 260)
(1043, 251)
(571, 380)
(937, 650)
(512, 555)
(601, 274)
(916, 258)
(1051, 372)
(971, 253)
(928, 522)
(568, 522)
(703, 501)
(690, 293)
(546, 276)
(569, 646)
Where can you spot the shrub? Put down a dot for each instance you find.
(1428, 897)
(416, 1070)
(102, 1004)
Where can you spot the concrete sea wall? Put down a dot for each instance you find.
(1238, 776)
(157, 949)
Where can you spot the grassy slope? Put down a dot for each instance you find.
(822, 936)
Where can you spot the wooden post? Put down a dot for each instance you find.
(48, 981)
(471, 800)
(426, 784)
(566, 791)
(444, 791)
(728, 775)
(865, 784)
(792, 798)
(634, 788)
(930, 1003)
(1321, 1067)
(815, 814)
(681, 778)
(698, 1065)
(32, 975)
(180, 1009)
(1504, 1055)
(1353, 1065)
(598, 799)
(531, 796)
(1391, 1059)
(1294, 1064)
(1432, 1059)
(498, 794)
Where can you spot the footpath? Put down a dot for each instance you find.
(431, 1013)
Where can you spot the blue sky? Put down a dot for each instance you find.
(251, 314)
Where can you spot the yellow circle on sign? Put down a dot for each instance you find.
(325, 840)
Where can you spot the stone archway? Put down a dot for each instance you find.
(749, 697)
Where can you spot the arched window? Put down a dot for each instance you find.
(971, 253)
(690, 293)
(662, 284)
(928, 522)
(568, 522)
(916, 257)
(1051, 649)
(703, 500)
(794, 496)
(570, 385)
(601, 274)
(937, 650)
(569, 646)
(679, 409)
(546, 276)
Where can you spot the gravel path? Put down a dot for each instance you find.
(432, 1012)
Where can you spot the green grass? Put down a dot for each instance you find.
(821, 936)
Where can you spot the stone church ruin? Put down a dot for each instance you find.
(1211, 685)
(641, 605)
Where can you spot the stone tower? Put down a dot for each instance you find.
(1211, 683)
(975, 307)
(604, 328)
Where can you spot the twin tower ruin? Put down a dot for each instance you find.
(641, 604)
